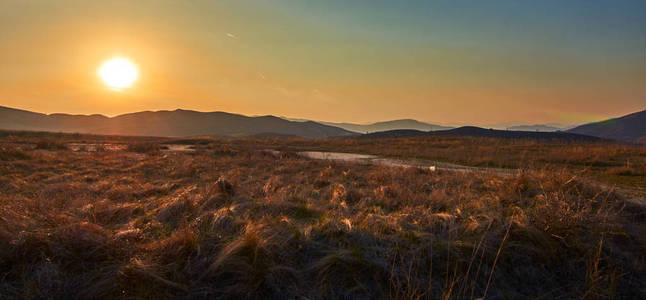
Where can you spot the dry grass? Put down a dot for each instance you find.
(144, 147)
(600, 161)
(50, 144)
(232, 221)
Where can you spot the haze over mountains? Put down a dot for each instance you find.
(177, 123)
(389, 125)
(523, 126)
(381, 126)
(536, 127)
(410, 124)
(182, 123)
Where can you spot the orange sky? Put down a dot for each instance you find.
(331, 62)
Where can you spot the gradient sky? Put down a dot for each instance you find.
(449, 62)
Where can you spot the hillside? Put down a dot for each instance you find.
(388, 125)
(630, 128)
(481, 132)
(398, 133)
(536, 127)
(402, 124)
(175, 123)
(493, 133)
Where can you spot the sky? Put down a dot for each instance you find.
(446, 62)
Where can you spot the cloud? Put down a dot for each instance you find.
(231, 35)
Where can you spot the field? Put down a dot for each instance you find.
(613, 164)
(234, 220)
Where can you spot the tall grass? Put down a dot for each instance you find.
(244, 223)
(613, 163)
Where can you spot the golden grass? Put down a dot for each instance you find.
(611, 163)
(233, 221)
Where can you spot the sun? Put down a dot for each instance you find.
(118, 73)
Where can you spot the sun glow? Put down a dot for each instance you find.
(118, 73)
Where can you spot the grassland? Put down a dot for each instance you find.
(615, 164)
(231, 220)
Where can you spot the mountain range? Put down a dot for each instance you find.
(536, 127)
(382, 126)
(524, 126)
(183, 123)
(176, 123)
(481, 132)
(388, 125)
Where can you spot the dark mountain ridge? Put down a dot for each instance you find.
(481, 132)
(176, 123)
(535, 127)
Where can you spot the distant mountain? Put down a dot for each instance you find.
(383, 126)
(481, 132)
(397, 133)
(177, 123)
(524, 126)
(630, 128)
(537, 127)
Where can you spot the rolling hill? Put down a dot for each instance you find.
(630, 128)
(481, 132)
(388, 125)
(402, 124)
(176, 123)
(536, 127)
